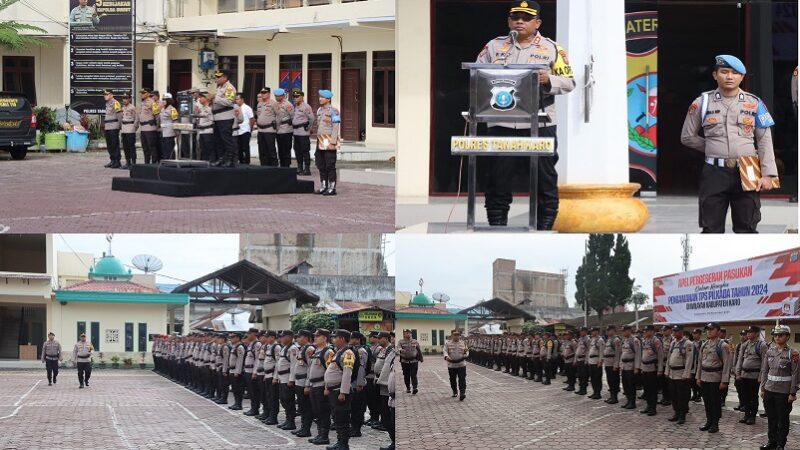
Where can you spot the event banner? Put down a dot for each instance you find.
(765, 287)
(102, 35)
(641, 35)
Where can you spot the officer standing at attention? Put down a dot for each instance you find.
(568, 348)
(713, 374)
(652, 368)
(581, 369)
(680, 356)
(111, 124)
(385, 356)
(130, 122)
(735, 123)
(595, 361)
(236, 368)
(530, 47)
(300, 377)
(147, 124)
(410, 354)
(244, 114)
(630, 360)
(267, 129)
(328, 123)
(271, 354)
(302, 122)
(320, 360)
(780, 377)
(284, 371)
(611, 355)
(51, 356)
(284, 111)
(205, 128)
(359, 402)
(455, 352)
(251, 372)
(222, 108)
(748, 367)
(372, 389)
(338, 384)
(82, 355)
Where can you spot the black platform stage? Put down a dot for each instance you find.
(202, 181)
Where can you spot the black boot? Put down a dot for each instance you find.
(674, 417)
(236, 407)
(613, 400)
(272, 420)
(322, 437)
(115, 165)
(331, 188)
(127, 165)
(323, 187)
(681, 419)
(497, 217)
(546, 219)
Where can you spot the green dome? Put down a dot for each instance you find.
(109, 268)
(421, 300)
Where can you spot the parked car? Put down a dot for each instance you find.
(17, 124)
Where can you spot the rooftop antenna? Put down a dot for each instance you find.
(147, 263)
(441, 297)
(686, 252)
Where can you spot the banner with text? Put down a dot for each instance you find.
(102, 35)
(765, 287)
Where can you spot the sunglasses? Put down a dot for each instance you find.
(521, 16)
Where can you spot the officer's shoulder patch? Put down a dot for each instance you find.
(328, 359)
(348, 359)
(795, 356)
(794, 74)
(117, 106)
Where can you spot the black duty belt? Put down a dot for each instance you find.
(299, 126)
(260, 370)
(112, 121)
(316, 380)
(408, 361)
(333, 388)
(455, 361)
(750, 370)
(300, 377)
(650, 362)
(51, 357)
(284, 372)
(125, 123)
(205, 127)
(268, 371)
(677, 367)
(628, 360)
(712, 369)
(222, 110)
(248, 367)
(149, 122)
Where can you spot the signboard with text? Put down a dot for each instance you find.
(370, 316)
(102, 36)
(764, 287)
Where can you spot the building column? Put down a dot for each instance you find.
(187, 313)
(170, 320)
(595, 195)
(161, 66)
(336, 74)
(66, 73)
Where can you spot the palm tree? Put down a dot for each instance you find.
(10, 32)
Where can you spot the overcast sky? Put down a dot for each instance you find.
(461, 265)
(185, 256)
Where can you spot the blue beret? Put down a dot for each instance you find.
(731, 62)
(324, 93)
(278, 91)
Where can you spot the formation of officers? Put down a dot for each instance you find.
(331, 378)
(224, 124)
(681, 366)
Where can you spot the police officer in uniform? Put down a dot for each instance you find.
(611, 355)
(595, 361)
(359, 394)
(51, 356)
(630, 360)
(272, 392)
(320, 360)
(328, 123)
(652, 368)
(111, 125)
(302, 121)
(679, 367)
(338, 386)
(130, 122)
(236, 369)
(410, 355)
(748, 367)
(455, 351)
(713, 374)
(581, 368)
(568, 348)
(780, 377)
(372, 389)
(266, 119)
(530, 47)
(284, 370)
(82, 355)
(300, 377)
(284, 111)
(735, 123)
(251, 372)
(148, 129)
(222, 108)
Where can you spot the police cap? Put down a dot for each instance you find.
(730, 62)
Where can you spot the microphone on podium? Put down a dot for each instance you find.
(513, 35)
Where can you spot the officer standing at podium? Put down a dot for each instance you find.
(222, 107)
(529, 47)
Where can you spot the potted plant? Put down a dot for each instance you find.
(50, 134)
(102, 360)
(142, 356)
(95, 129)
(115, 362)
(128, 362)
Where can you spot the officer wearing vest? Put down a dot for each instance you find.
(328, 142)
(595, 362)
(630, 362)
(611, 356)
(266, 119)
(455, 350)
(652, 368)
(381, 377)
(568, 348)
(253, 388)
(130, 122)
(205, 128)
(735, 124)
(284, 111)
(305, 353)
(547, 353)
(111, 125)
(236, 369)
(221, 364)
(272, 351)
(259, 373)
(338, 386)
(679, 369)
(713, 374)
(780, 377)
(391, 421)
(82, 355)
(748, 367)
(530, 47)
(372, 390)
(302, 121)
(51, 356)
(664, 382)
(321, 358)
(222, 108)
(359, 394)
(284, 371)
(581, 368)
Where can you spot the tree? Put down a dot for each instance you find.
(11, 37)
(531, 327)
(620, 284)
(594, 274)
(310, 318)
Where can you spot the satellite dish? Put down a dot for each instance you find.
(147, 263)
(441, 297)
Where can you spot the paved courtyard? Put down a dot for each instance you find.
(71, 193)
(506, 412)
(132, 409)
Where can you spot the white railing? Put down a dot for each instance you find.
(193, 8)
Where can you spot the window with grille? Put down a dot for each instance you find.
(383, 87)
(19, 76)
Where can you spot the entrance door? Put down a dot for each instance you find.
(350, 99)
(180, 76)
(317, 79)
